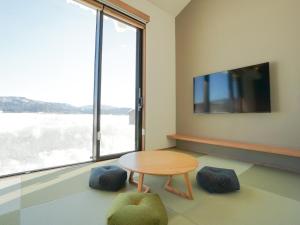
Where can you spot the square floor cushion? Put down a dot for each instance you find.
(217, 180)
(107, 178)
(135, 208)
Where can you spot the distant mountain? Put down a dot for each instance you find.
(25, 105)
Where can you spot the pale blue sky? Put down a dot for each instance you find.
(47, 53)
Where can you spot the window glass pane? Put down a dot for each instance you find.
(46, 84)
(118, 88)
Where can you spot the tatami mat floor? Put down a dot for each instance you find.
(62, 197)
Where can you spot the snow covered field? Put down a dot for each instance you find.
(31, 141)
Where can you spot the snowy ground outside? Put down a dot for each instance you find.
(31, 141)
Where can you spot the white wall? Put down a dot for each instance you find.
(160, 75)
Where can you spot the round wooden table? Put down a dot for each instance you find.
(161, 163)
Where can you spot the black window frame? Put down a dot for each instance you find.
(139, 89)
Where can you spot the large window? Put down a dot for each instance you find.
(68, 73)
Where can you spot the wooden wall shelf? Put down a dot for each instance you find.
(238, 145)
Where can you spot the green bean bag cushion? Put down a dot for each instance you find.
(133, 208)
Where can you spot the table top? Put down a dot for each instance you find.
(158, 162)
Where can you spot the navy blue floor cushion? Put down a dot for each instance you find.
(218, 180)
(108, 178)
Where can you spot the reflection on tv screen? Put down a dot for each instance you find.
(241, 90)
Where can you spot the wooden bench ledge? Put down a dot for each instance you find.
(238, 145)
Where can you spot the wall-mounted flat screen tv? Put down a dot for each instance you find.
(243, 90)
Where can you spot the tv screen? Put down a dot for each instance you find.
(244, 90)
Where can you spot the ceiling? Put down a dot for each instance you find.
(173, 7)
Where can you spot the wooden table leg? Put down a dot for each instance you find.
(131, 177)
(188, 185)
(141, 180)
(188, 194)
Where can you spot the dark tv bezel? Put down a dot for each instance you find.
(226, 112)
